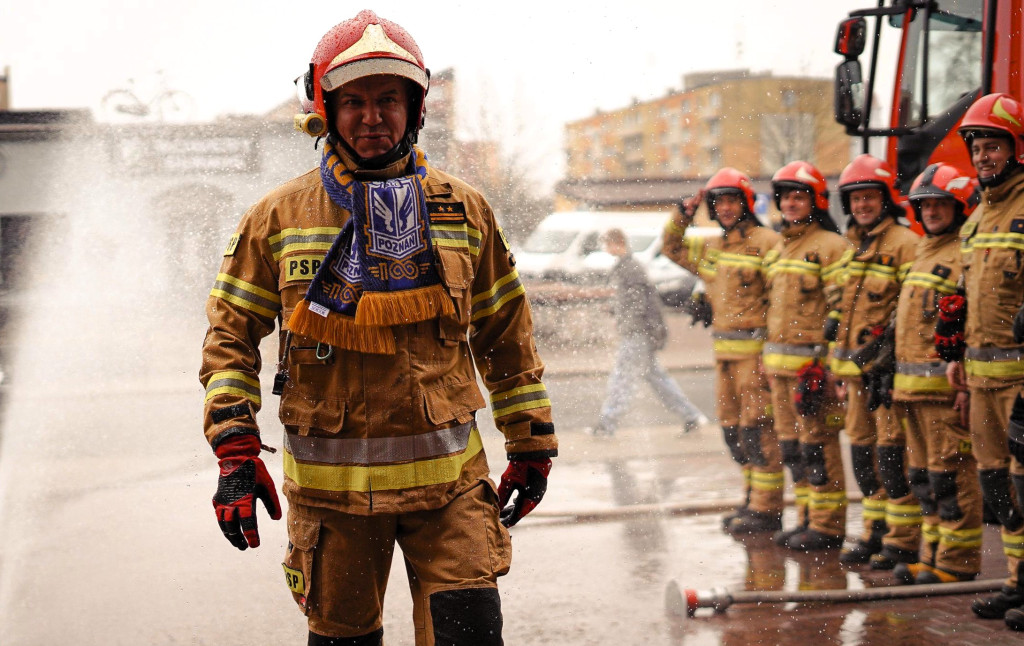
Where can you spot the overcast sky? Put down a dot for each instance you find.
(544, 63)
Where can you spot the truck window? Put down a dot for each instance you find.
(549, 241)
(954, 60)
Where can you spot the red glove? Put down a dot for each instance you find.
(243, 479)
(810, 388)
(529, 477)
(949, 329)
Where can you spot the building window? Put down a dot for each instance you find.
(715, 100)
(789, 98)
(715, 157)
(715, 127)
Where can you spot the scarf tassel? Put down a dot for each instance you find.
(341, 331)
(404, 307)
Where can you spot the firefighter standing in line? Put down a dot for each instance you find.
(732, 268)
(883, 251)
(942, 472)
(803, 270)
(991, 242)
(378, 390)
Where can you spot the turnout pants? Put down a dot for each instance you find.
(810, 447)
(875, 436)
(337, 568)
(744, 412)
(943, 480)
(1001, 476)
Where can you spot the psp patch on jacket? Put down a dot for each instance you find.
(302, 267)
(886, 259)
(812, 256)
(941, 271)
(232, 244)
(1017, 225)
(446, 211)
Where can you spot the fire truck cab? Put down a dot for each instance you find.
(937, 56)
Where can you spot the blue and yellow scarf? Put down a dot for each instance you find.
(380, 270)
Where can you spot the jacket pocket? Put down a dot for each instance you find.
(454, 403)
(303, 537)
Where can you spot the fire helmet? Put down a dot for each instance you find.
(945, 181)
(362, 46)
(802, 176)
(729, 181)
(995, 115)
(866, 171)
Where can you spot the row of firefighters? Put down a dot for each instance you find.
(909, 339)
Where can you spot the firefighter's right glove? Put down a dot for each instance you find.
(1018, 326)
(528, 479)
(832, 326)
(810, 388)
(243, 480)
(700, 311)
(1015, 430)
(949, 329)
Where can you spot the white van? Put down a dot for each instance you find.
(567, 246)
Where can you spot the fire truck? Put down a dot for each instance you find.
(935, 57)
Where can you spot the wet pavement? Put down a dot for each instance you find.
(107, 535)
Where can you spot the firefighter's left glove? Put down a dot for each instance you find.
(811, 381)
(243, 480)
(528, 479)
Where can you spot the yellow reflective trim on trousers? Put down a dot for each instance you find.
(734, 346)
(747, 475)
(843, 367)
(773, 481)
(1013, 545)
(930, 533)
(420, 473)
(964, 538)
(827, 500)
(784, 361)
(801, 494)
(920, 384)
(903, 515)
(994, 368)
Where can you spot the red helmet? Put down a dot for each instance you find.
(362, 46)
(995, 115)
(730, 181)
(804, 177)
(945, 181)
(866, 171)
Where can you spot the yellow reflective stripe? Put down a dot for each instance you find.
(694, 247)
(801, 494)
(931, 281)
(962, 538)
(489, 302)
(979, 368)
(474, 240)
(1013, 545)
(903, 515)
(312, 239)
(449, 235)
(773, 481)
(739, 260)
(999, 240)
(232, 382)
(784, 361)
(420, 473)
(747, 475)
(930, 533)
(827, 500)
(733, 346)
(843, 367)
(791, 266)
(904, 270)
(519, 399)
(920, 384)
(859, 268)
(830, 271)
(247, 295)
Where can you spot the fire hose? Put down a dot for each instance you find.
(678, 601)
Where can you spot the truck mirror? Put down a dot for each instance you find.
(850, 38)
(849, 96)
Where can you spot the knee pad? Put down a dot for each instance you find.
(995, 489)
(814, 458)
(751, 437)
(944, 486)
(862, 459)
(920, 484)
(792, 458)
(731, 434)
(467, 617)
(373, 639)
(890, 467)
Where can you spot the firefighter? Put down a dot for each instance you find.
(942, 475)
(732, 268)
(883, 251)
(993, 361)
(803, 273)
(378, 389)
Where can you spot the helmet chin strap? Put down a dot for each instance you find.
(1012, 166)
(400, 150)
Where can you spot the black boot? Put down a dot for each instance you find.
(754, 522)
(727, 519)
(813, 540)
(996, 606)
(782, 537)
(890, 556)
(1014, 619)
